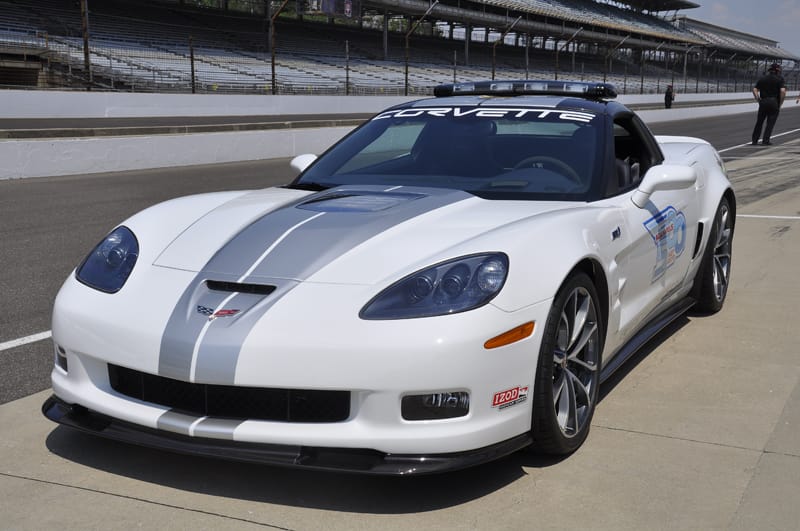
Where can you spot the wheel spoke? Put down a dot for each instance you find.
(580, 316)
(558, 390)
(580, 386)
(576, 349)
(589, 366)
(572, 418)
(578, 390)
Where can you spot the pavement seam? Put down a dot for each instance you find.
(662, 436)
(143, 500)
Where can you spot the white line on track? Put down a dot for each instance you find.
(25, 340)
(747, 144)
(754, 216)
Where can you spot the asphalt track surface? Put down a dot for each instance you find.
(743, 475)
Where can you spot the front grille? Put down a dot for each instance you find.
(255, 403)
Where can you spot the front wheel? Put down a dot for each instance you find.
(714, 275)
(568, 371)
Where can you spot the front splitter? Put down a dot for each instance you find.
(353, 460)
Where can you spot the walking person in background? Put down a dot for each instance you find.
(769, 92)
(669, 97)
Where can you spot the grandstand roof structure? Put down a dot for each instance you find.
(733, 41)
(657, 6)
(597, 22)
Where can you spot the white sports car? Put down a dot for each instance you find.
(448, 284)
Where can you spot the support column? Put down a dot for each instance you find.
(386, 35)
(467, 38)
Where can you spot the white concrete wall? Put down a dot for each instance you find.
(71, 156)
(62, 104)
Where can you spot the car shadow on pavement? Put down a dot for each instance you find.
(284, 486)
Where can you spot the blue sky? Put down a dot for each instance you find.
(774, 19)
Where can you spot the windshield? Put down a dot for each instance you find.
(492, 152)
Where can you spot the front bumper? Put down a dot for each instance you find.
(363, 461)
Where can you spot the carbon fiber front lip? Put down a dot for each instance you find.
(360, 461)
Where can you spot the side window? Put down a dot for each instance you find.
(633, 153)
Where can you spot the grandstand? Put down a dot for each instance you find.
(361, 46)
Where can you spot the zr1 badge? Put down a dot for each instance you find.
(510, 397)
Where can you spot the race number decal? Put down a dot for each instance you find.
(668, 230)
(510, 397)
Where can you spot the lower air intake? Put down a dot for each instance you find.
(227, 401)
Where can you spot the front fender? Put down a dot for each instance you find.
(543, 253)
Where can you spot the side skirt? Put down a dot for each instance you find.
(652, 328)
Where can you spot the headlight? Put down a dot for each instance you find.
(450, 287)
(110, 263)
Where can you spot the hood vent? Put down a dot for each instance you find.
(239, 287)
(355, 201)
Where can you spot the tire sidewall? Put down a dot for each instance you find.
(545, 429)
(707, 298)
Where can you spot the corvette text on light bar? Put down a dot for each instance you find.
(487, 112)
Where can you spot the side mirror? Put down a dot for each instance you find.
(301, 162)
(663, 177)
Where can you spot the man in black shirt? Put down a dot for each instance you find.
(769, 92)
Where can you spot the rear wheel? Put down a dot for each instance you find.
(568, 372)
(714, 274)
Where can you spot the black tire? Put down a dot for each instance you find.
(714, 275)
(568, 371)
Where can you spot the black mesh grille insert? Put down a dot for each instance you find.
(256, 403)
(239, 287)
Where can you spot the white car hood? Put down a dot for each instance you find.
(353, 234)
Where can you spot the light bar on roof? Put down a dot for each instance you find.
(592, 91)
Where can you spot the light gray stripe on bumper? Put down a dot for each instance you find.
(214, 428)
(176, 422)
(210, 427)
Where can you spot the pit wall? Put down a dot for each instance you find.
(72, 156)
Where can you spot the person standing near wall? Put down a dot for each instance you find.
(669, 97)
(769, 92)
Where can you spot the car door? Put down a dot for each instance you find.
(660, 237)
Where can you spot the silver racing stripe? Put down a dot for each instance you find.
(282, 248)
(176, 422)
(185, 325)
(211, 428)
(216, 428)
(217, 352)
(189, 326)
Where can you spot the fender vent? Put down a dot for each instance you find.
(700, 229)
(239, 287)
